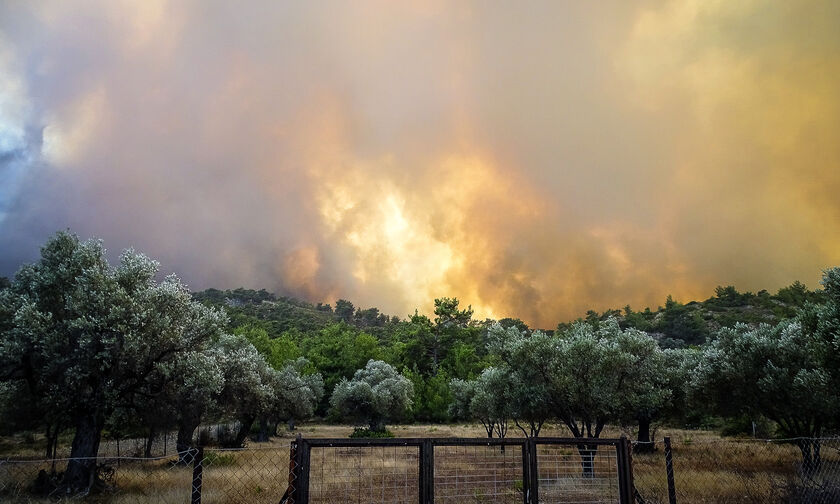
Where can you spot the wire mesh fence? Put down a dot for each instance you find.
(478, 473)
(547, 470)
(125, 479)
(747, 471)
(361, 474)
(462, 471)
(578, 474)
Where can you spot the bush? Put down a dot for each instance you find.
(361, 432)
(216, 459)
(743, 426)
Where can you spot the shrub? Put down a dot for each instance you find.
(361, 432)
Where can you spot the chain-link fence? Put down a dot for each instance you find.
(462, 471)
(325, 471)
(740, 471)
(255, 474)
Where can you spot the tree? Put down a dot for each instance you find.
(376, 394)
(530, 400)
(337, 351)
(450, 324)
(345, 310)
(486, 399)
(202, 383)
(781, 372)
(295, 394)
(591, 374)
(89, 338)
(276, 351)
(680, 322)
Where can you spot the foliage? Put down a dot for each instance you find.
(87, 338)
(587, 376)
(361, 432)
(376, 394)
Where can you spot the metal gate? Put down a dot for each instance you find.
(460, 471)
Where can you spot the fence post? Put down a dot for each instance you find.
(631, 486)
(198, 467)
(303, 453)
(533, 472)
(526, 474)
(669, 469)
(427, 472)
(623, 483)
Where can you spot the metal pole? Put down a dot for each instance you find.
(669, 469)
(427, 472)
(526, 475)
(533, 471)
(198, 467)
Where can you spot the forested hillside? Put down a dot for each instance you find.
(339, 339)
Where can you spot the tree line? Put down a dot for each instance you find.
(95, 348)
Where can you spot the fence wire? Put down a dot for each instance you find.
(466, 474)
(577, 474)
(706, 471)
(122, 480)
(741, 471)
(364, 474)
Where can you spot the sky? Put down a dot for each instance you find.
(533, 159)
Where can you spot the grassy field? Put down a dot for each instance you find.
(707, 469)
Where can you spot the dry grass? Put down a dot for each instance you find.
(707, 470)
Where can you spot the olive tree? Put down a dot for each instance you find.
(776, 371)
(487, 399)
(254, 390)
(88, 337)
(586, 376)
(295, 394)
(376, 394)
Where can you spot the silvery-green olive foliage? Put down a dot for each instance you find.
(488, 399)
(584, 377)
(296, 393)
(775, 371)
(376, 394)
(88, 337)
(254, 390)
(782, 372)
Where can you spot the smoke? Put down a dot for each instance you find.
(534, 160)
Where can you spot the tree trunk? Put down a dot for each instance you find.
(184, 441)
(377, 424)
(291, 424)
(262, 437)
(811, 458)
(52, 440)
(81, 469)
(149, 442)
(245, 424)
(587, 459)
(643, 444)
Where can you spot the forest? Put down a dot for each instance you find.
(98, 349)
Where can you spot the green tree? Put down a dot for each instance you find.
(680, 322)
(276, 351)
(591, 374)
(486, 399)
(781, 372)
(88, 337)
(345, 310)
(337, 351)
(376, 394)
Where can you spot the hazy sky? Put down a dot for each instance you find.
(534, 159)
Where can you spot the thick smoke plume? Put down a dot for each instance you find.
(533, 159)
